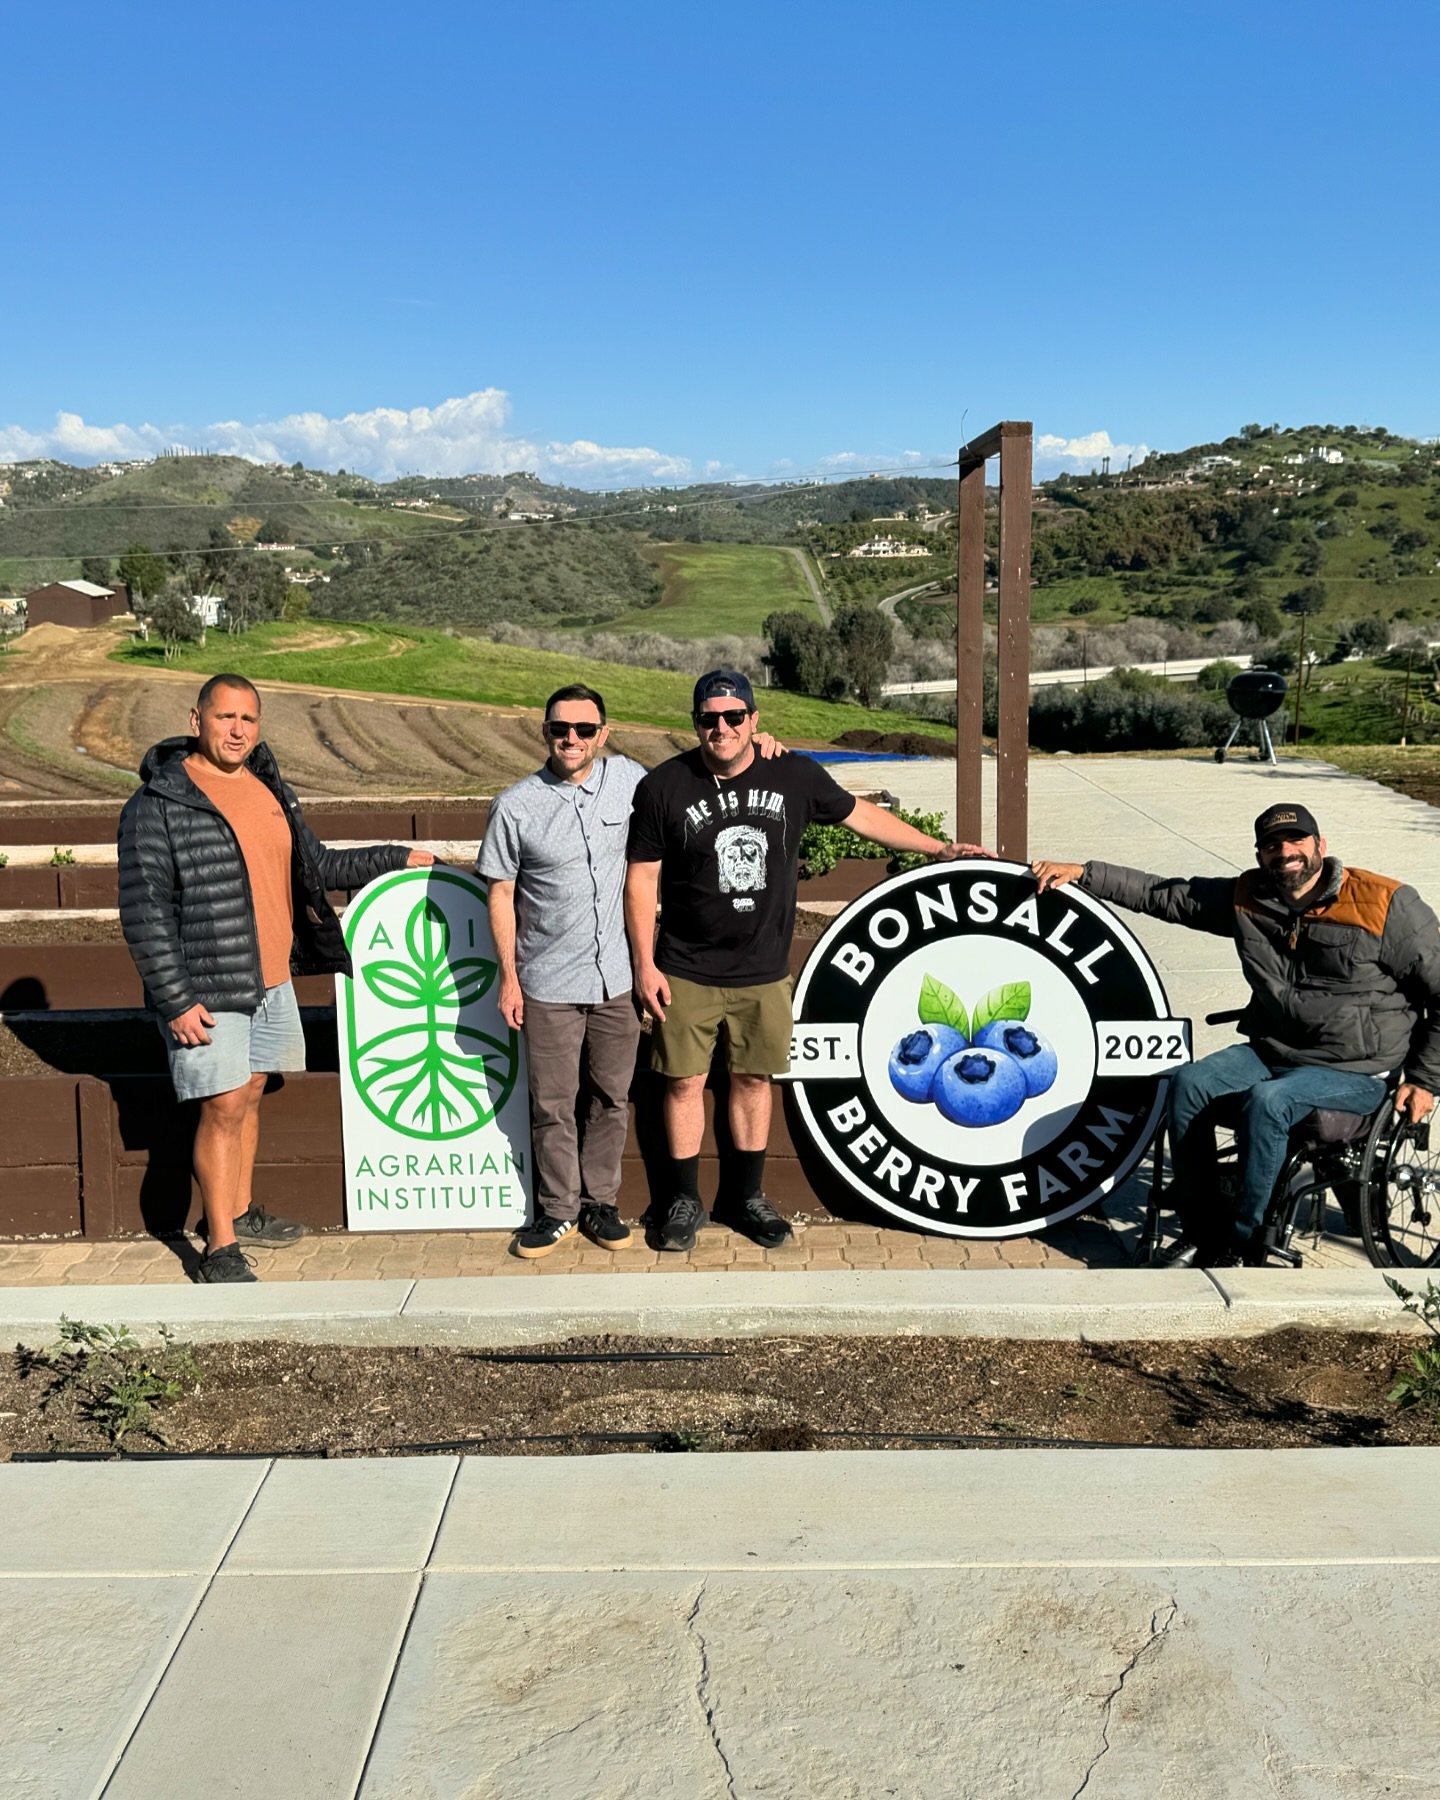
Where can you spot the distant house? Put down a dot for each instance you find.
(11, 606)
(1218, 462)
(1321, 453)
(206, 608)
(74, 603)
(888, 546)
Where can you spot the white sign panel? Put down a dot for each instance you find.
(434, 1101)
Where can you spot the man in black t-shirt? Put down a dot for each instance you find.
(715, 840)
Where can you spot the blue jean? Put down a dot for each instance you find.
(1276, 1099)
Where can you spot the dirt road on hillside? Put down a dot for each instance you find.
(73, 725)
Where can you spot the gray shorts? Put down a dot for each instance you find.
(268, 1041)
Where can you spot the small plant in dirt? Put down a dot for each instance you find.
(113, 1382)
(4, 860)
(62, 858)
(1420, 1384)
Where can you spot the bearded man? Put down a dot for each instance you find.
(1343, 968)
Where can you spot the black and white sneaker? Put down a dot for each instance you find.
(256, 1226)
(228, 1263)
(542, 1234)
(604, 1226)
(684, 1219)
(758, 1220)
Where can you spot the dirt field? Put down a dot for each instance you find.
(1290, 1388)
(73, 725)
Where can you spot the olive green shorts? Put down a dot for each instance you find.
(756, 1022)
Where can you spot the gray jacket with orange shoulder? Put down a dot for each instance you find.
(1352, 983)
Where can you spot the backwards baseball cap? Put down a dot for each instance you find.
(723, 684)
(1285, 821)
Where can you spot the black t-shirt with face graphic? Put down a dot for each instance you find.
(728, 850)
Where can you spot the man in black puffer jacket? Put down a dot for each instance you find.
(222, 900)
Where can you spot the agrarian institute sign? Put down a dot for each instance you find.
(977, 1057)
(432, 1081)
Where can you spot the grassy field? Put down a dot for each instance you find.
(430, 664)
(715, 590)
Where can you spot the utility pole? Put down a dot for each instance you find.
(1405, 707)
(1300, 682)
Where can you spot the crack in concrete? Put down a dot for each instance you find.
(1160, 1622)
(702, 1687)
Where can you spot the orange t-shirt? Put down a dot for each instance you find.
(263, 833)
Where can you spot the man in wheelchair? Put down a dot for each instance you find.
(1343, 968)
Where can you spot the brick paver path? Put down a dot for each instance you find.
(409, 1255)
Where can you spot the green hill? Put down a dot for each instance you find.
(442, 666)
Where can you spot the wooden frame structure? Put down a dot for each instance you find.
(1012, 442)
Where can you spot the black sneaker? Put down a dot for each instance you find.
(256, 1226)
(604, 1226)
(1186, 1253)
(758, 1220)
(684, 1219)
(541, 1236)
(228, 1263)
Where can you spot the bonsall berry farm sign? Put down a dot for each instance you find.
(433, 1094)
(979, 1058)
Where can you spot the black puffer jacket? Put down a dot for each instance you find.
(185, 903)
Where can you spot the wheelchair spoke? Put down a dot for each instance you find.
(1401, 1197)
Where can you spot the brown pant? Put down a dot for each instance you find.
(564, 1045)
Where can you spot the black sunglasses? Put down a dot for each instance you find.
(561, 728)
(735, 717)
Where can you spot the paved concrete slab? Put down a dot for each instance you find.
(275, 1690)
(78, 1661)
(1349, 1299)
(552, 1688)
(137, 1518)
(879, 1509)
(978, 1684)
(1112, 1303)
(32, 1314)
(325, 1516)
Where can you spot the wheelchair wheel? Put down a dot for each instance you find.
(1400, 1195)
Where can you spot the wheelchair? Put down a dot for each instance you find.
(1380, 1170)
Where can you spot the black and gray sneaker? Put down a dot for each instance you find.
(228, 1263)
(256, 1226)
(682, 1221)
(541, 1235)
(758, 1220)
(604, 1226)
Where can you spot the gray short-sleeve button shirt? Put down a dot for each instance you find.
(563, 845)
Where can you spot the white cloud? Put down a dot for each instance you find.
(464, 435)
(1082, 454)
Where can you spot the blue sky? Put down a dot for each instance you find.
(633, 242)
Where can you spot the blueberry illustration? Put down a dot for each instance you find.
(979, 1087)
(1034, 1053)
(918, 1055)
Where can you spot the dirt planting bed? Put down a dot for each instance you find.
(1293, 1388)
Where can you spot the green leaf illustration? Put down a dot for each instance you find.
(941, 1005)
(394, 983)
(463, 981)
(427, 932)
(1009, 1001)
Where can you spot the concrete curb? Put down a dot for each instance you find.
(1100, 1305)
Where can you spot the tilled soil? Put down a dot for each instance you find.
(1293, 1388)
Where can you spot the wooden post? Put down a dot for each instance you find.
(1013, 738)
(969, 649)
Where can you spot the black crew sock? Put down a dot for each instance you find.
(685, 1177)
(749, 1173)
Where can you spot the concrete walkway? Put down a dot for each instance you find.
(1019, 1625)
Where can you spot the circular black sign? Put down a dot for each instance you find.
(979, 1058)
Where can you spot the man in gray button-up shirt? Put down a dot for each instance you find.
(554, 859)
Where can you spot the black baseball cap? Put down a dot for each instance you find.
(723, 684)
(1285, 821)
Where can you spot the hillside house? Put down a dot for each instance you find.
(888, 546)
(76, 603)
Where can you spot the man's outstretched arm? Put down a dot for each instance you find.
(1203, 902)
(642, 898)
(881, 827)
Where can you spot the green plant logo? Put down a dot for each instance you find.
(431, 1076)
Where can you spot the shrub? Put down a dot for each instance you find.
(824, 845)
